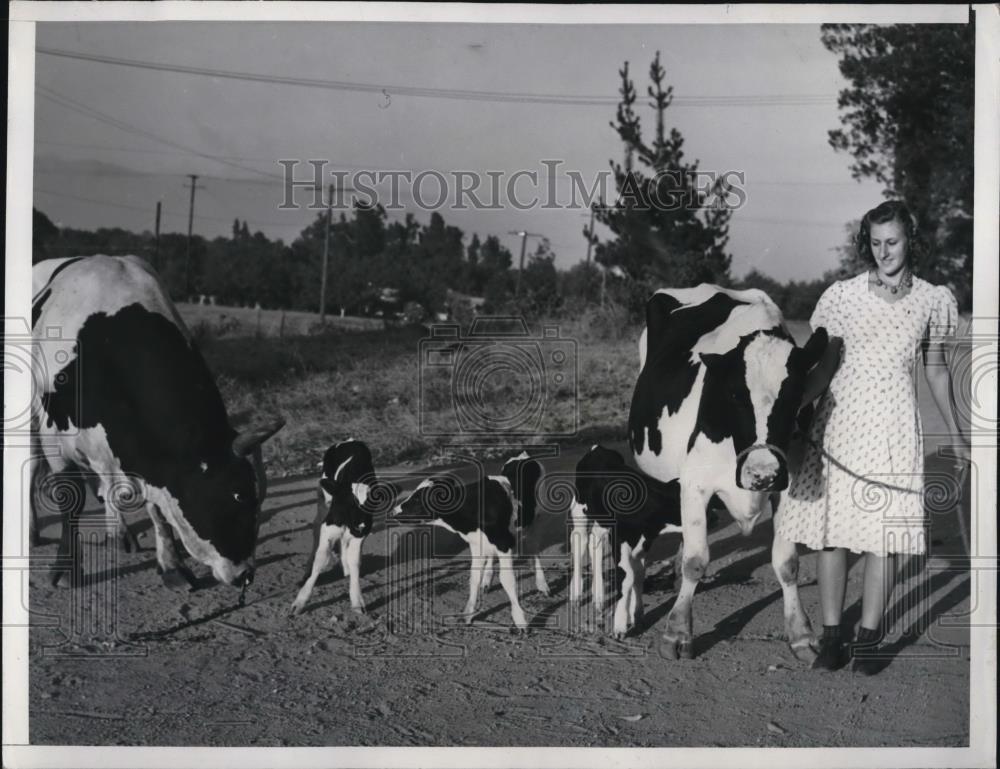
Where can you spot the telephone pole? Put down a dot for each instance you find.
(520, 270)
(187, 260)
(156, 246)
(590, 237)
(326, 253)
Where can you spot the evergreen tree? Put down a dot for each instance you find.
(668, 231)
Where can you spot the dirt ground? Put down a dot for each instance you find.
(126, 661)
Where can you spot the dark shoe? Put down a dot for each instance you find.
(868, 655)
(831, 654)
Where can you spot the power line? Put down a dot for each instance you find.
(126, 206)
(75, 106)
(769, 100)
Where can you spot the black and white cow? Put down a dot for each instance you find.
(614, 504)
(490, 515)
(344, 516)
(125, 399)
(714, 407)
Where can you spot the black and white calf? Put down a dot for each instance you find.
(343, 515)
(615, 502)
(489, 514)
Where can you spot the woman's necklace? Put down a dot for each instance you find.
(905, 282)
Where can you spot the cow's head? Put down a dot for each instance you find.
(434, 498)
(523, 474)
(351, 501)
(752, 394)
(220, 498)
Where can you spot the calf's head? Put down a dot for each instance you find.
(435, 498)
(752, 394)
(351, 501)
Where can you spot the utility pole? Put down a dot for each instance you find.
(187, 260)
(156, 246)
(520, 270)
(326, 258)
(590, 241)
(326, 253)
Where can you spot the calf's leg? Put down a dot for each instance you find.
(577, 542)
(173, 572)
(328, 535)
(351, 556)
(508, 579)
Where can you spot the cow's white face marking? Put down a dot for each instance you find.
(766, 361)
(223, 569)
(204, 467)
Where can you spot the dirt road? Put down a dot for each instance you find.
(143, 665)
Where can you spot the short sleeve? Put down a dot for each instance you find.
(826, 312)
(943, 320)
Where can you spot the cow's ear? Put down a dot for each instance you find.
(711, 359)
(815, 347)
(252, 437)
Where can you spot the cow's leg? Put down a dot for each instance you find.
(351, 554)
(480, 550)
(173, 572)
(639, 567)
(677, 638)
(625, 597)
(328, 535)
(577, 542)
(39, 470)
(67, 492)
(798, 631)
(508, 579)
(598, 539)
(487, 578)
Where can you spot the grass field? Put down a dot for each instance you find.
(369, 384)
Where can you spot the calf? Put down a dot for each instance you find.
(343, 515)
(489, 514)
(614, 501)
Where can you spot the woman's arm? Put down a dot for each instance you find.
(939, 380)
(819, 377)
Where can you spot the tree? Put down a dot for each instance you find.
(669, 229)
(44, 236)
(908, 123)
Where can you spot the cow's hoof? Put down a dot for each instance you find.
(804, 652)
(65, 578)
(178, 578)
(127, 543)
(469, 616)
(677, 648)
(359, 610)
(296, 608)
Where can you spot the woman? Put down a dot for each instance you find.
(860, 487)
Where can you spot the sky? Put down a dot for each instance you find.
(111, 140)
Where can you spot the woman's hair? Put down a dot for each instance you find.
(890, 210)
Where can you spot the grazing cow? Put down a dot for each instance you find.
(126, 398)
(615, 502)
(344, 516)
(489, 514)
(714, 407)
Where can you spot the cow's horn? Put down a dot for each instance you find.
(252, 437)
